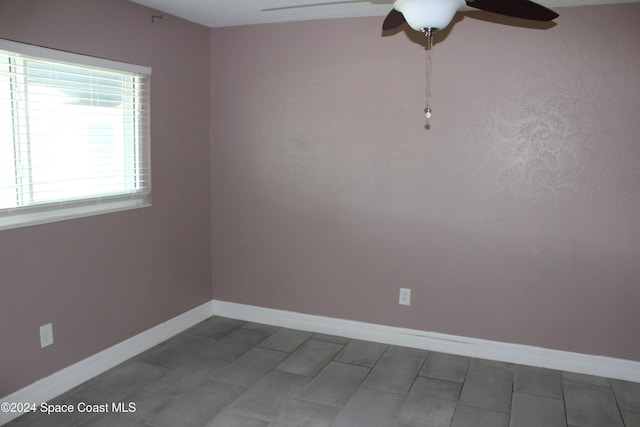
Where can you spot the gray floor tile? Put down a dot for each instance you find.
(235, 344)
(309, 358)
(110, 420)
(362, 353)
(335, 384)
(466, 416)
(408, 351)
(172, 352)
(394, 373)
(631, 419)
(79, 387)
(430, 402)
(445, 367)
(64, 419)
(286, 340)
(589, 405)
(433, 413)
(97, 392)
(627, 394)
(198, 406)
(303, 413)
(536, 411)
(249, 368)
(216, 327)
(488, 386)
(36, 419)
(187, 376)
(330, 338)
(401, 424)
(229, 419)
(132, 375)
(585, 379)
(146, 406)
(260, 327)
(538, 381)
(370, 408)
(269, 395)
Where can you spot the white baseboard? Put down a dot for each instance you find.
(74, 375)
(602, 366)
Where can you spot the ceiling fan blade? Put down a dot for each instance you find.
(517, 8)
(393, 20)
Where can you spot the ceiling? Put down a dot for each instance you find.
(227, 13)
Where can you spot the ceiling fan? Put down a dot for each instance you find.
(430, 16)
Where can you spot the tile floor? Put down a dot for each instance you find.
(229, 373)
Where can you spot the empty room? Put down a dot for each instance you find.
(288, 213)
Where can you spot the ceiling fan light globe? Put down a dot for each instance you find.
(423, 14)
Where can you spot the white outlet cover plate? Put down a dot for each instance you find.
(46, 335)
(405, 296)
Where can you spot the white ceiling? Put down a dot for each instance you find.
(226, 13)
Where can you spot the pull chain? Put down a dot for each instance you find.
(428, 32)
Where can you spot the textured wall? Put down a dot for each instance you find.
(514, 218)
(105, 278)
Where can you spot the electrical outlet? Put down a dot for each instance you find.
(405, 296)
(46, 335)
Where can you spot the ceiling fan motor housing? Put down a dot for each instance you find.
(428, 14)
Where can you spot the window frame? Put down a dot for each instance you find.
(40, 213)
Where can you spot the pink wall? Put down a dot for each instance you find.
(103, 279)
(514, 218)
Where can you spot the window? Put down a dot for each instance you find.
(74, 137)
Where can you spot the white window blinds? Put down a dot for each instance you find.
(74, 136)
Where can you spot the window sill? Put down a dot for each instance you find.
(27, 219)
